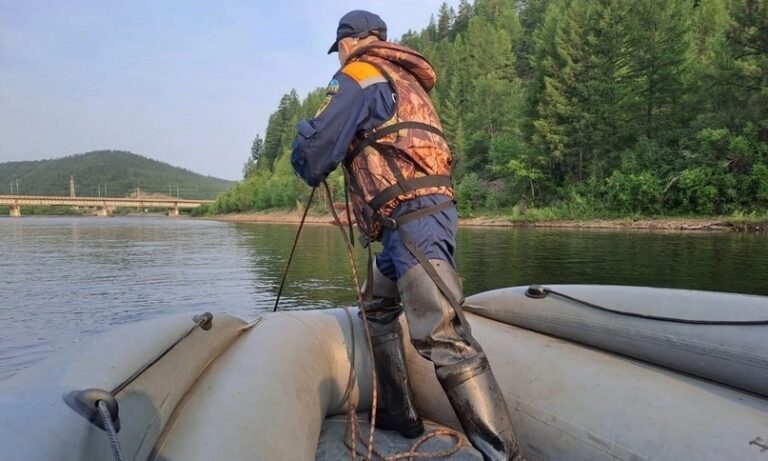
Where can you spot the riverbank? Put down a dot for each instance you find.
(711, 224)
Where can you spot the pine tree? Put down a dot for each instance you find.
(257, 149)
(659, 52)
(743, 66)
(578, 114)
(463, 15)
(707, 101)
(280, 129)
(445, 19)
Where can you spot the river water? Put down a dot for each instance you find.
(65, 279)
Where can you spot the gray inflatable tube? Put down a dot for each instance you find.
(262, 391)
(736, 355)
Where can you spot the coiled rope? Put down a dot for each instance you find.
(356, 435)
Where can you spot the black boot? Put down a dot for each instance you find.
(477, 401)
(395, 409)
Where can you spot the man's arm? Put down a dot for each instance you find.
(355, 102)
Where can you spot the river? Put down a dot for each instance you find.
(65, 279)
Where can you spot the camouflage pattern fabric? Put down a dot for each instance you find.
(417, 153)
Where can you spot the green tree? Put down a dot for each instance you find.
(257, 149)
(659, 56)
(280, 129)
(445, 19)
(577, 119)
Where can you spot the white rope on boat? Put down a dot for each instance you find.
(117, 452)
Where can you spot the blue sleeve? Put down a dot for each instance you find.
(322, 142)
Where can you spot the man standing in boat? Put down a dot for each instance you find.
(379, 123)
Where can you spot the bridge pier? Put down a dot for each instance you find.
(16, 211)
(173, 212)
(103, 211)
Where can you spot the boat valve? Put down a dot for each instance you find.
(536, 292)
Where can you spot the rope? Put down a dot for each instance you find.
(351, 410)
(356, 435)
(293, 248)
(351, 379)
(654, 317)
(117, 452)
(199, 321)
(361, 305)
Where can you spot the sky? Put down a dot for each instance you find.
(186, 82)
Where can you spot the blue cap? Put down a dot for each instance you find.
(359, 23)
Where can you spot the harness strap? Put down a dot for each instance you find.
(371, 137)
(395, 190)
(399, 178)
(396, 223)
(355, 188)
(439, 282)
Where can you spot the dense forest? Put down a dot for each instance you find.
(578, 108)
(106, 173)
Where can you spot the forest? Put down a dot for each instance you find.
(577, 109)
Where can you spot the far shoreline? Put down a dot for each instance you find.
(667, 224)
(651, 224)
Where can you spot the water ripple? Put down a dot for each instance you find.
(63, 280)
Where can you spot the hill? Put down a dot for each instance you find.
(107, 173)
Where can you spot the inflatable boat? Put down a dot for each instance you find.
(587, 372)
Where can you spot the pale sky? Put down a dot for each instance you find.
(187, 82)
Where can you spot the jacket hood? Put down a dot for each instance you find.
(408, 59)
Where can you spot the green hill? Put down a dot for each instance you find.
(107, 173)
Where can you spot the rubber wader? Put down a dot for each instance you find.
(441, 334)
(395, 409)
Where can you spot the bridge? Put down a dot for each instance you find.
(105, 204)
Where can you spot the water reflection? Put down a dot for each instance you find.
(493, 258)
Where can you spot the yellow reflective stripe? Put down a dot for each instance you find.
(363, 73)
(372, 81)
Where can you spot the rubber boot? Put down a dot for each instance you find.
(441, 334)
(395, 409)
(478, 403)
